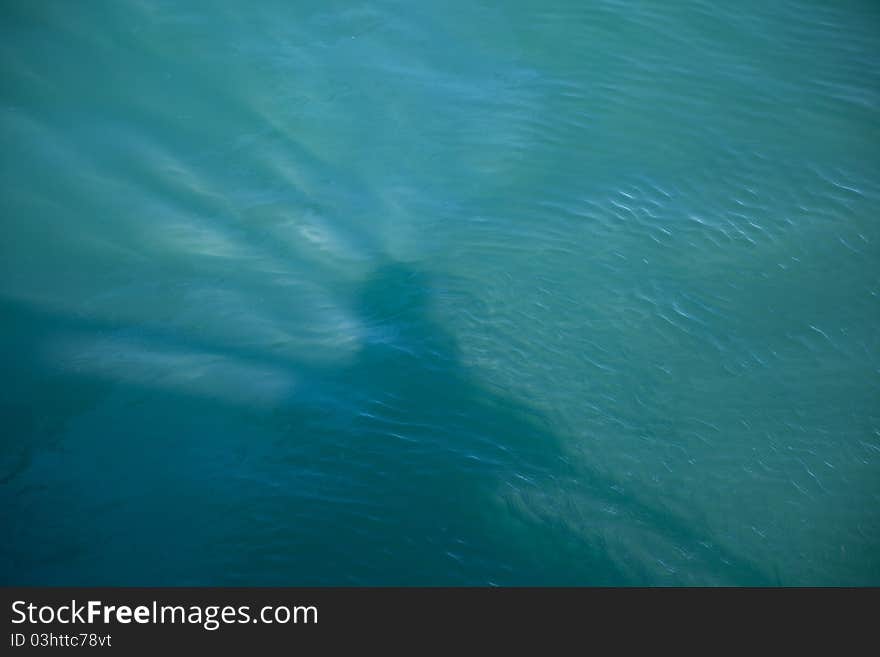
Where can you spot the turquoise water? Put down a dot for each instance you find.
(449, 292)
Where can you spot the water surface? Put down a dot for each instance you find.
(453, 293)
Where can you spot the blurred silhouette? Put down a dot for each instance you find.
(397, 469)
(479, 478)
(432, 449)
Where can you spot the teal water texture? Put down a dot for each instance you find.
(350, 293)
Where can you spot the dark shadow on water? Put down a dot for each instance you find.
(471, 475)
(398, 469)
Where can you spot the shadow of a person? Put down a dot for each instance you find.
(435, 453)
(398, 469)
(457, 484)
